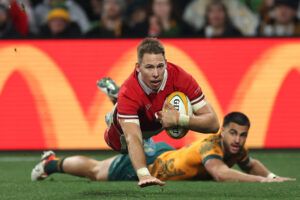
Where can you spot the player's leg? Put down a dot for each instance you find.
(109, 87)
(74, 165)
(86, 167)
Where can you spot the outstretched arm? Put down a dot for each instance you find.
(221, 172)
(255, 167)
(134, 142)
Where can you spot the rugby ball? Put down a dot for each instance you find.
(183, 105)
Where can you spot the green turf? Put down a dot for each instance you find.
(15, 182)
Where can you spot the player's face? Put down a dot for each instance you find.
(234, 137)
(152, 69)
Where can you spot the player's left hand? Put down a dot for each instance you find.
(169, 116)
(150, 180)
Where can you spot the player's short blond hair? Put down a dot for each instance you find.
(150, 45)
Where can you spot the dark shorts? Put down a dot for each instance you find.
(121, 168)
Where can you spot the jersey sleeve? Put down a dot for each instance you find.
(185, 83)
(127, 105)
(210, 150)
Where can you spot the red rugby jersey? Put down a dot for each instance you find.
(136, 101)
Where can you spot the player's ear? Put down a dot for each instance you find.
(137, 67)
(222, 131)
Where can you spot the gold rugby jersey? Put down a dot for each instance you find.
(188, 162)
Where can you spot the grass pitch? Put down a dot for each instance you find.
(15, 168)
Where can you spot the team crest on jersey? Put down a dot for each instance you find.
(148, 106)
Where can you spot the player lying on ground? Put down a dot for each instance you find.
(205, 159)
(142, 96)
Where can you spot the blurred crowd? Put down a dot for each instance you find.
(141, 18)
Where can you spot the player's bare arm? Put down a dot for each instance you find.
(222, 173)
(136, 153)
(255, 167)
(204, 119)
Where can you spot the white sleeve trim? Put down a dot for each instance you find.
(199, 105)
(197, 99)
(127, 116)
(135, 121)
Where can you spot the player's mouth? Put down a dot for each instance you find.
(155, 83)
(235, 147)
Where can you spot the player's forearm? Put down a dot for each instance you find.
(257, 168)
(204, 123)
(236, 176)
(134, 143)
(136, 151)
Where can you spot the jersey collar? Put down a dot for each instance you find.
(148, 90)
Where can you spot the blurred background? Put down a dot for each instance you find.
(141, 18)
(243, 53)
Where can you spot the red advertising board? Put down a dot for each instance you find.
(49, 99)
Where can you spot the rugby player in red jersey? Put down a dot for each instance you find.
(137, 114)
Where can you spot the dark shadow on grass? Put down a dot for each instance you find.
(140, 194)
(166, 193)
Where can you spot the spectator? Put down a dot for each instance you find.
(22, 16)
(7, 30)
(111, 24)
(163, 21)
(92, 8)
(27, 8)
(19, 17)
(59, 25)
(136, 15)
(265, 10)
(96, 8)
(239, 13)
(217, 22)
(284, 22)
(77, 14)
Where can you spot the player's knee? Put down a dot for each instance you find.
(96, 174)
(81, 166)
(92, 172)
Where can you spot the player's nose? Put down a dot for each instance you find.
(155, 73)
(237, 139)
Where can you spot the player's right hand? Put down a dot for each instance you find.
(150, 180)
(168, 117)
(285, 178)
(269, 180)
(277, 179)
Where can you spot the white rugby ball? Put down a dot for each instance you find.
(183, 105)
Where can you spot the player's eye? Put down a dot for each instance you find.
(160, 66)
(149, 67)
(232, 132)
(244, 134)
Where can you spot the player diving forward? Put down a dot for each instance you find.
(205, 159)
(141, 97)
